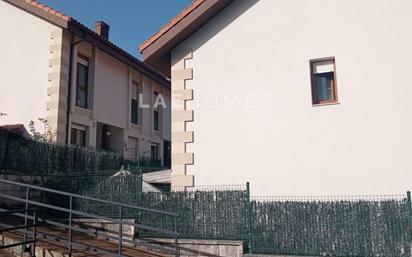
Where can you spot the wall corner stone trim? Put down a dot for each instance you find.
(180, 116)
(57, 86)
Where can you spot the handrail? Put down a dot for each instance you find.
(24, 227)
(97, 233)
(89, 198)
(4, 212)
(119, 221)
(56, 208)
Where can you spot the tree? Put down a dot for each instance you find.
(47, 136)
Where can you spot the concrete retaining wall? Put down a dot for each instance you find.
(263, 255)
(209, 248)
(95, 225)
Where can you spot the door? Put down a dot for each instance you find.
(167, 152)
(106, 137)
(132, 149)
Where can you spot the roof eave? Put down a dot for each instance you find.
(183, 29)
(58, 21)
(75, 27)
(88, 35)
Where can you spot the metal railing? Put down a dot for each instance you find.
(25, 227)
(214, 212)
(343, 225)
(346, 225)
(71, 214)
(19, 155)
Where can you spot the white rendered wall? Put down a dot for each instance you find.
(110, 91)
(24, 65)
(259, 51)
(111, 88)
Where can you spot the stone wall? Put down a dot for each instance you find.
(105, 226)
(209, 248)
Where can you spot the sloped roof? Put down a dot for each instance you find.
(49, 10)
(68, 22)
(182, 26)
(170, 24)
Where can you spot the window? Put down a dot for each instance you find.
(106, 137)
(323, 81)
(156, 120)
(134, 104)
(132, 148)
(134, 111)
(78, 135)
(82, 81)
(154, 152)
(156, 113)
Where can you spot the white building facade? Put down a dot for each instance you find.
(296, 97)
(91, 92)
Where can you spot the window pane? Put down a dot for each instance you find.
(135, 90)
(81, 138)
(324, 86)
(82, 98)
(78, 137)
(156, 120)
(324, 66)
(132, 150)
(134, 111)
(154, 149)
(73, 136)
(82, 75)
(82, 85)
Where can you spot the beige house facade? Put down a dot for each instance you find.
(302, 97)
(91, 92)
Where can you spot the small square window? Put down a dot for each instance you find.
(323, 78)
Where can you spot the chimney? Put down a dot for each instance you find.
(102, 29)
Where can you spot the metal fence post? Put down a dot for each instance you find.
(140, 199)
(70, 225)
(120, 231)
(25, 218)
(177, 237)
(34, 234)
(141, 188)
(249, 218)
(408, 194)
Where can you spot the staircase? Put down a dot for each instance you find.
(64, 236)
(50, 245)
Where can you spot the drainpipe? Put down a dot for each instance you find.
(69, 95)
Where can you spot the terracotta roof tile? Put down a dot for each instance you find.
(68, 18)
(49, 10)
(195, 4)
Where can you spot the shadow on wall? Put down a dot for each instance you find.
(221, 21)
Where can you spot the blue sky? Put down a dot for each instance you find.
(131, 21)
